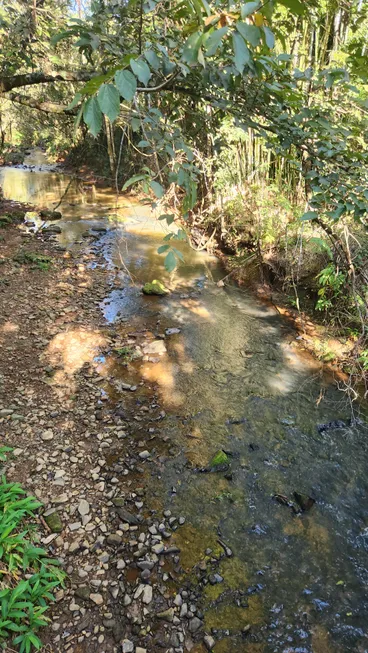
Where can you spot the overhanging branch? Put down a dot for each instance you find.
(31, 79)
(46, 107)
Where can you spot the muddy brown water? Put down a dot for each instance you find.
(234, 379)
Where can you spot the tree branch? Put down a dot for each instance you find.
(30, 79)
(47, 107)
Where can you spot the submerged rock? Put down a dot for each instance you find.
(219, 462)
(304, 501)
(155, 288)
(47, 214)
(52, 229)
(156, 347)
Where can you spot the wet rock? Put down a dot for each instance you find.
(54, 522)
(219, 462)
(226, 548)
(335, 424)
(304, 501)
(52, 229)
(155, 288)
(47, 214)
(157, 347)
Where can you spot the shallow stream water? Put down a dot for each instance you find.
(234, 379)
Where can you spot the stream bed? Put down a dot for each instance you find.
(289, 506)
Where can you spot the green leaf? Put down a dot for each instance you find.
(206, 7)
(169, 217)
(191, 48)
(94, 84)
(295, 5)
(152, 59)
(214, 40)
(92, 116)
(133, 180)
(141, 70)
(170, 262)
(178, 253)
(109, 101)
(309, 215)
(126, 84)
(250, 33)
(78, 120)
(241, 52)
(157, 189)
(76, 100)
(249, 8)
(163, 249)
(269, 37)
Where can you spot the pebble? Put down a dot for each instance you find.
(147, 594)
(127, 646)
(83, 507)
(96, 598)
(47, 435)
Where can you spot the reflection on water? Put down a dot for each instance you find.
(233, 379)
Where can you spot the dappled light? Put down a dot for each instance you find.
(9, 327)
(183, 336)
(68, 351)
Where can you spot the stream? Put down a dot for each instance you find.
(234, 378)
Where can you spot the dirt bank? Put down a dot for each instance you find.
(87, 455)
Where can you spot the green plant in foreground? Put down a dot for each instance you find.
(28, 576)
(331, 282)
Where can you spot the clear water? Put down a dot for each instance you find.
(234, 379)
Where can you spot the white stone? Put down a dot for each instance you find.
(147, 594)
(83, 507)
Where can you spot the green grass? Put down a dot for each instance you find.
(28, 576)
(126, 353)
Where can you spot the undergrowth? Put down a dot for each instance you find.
(28, 577)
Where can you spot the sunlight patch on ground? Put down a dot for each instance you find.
(9, 327)
(163, 374)
(197, 308)
(69, 351)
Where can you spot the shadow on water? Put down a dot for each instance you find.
(232, 379)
